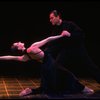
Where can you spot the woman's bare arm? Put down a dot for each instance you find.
(44, 41)
(17, 58)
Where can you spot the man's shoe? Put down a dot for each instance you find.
(88, 91)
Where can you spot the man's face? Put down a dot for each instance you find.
(53, 19)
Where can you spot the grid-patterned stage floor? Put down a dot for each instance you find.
(10, 87)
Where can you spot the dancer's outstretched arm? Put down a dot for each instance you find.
(17, 58)
(51, 38)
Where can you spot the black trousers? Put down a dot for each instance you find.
(56, 79)
(79, 57)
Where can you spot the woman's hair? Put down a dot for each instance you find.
(14, 47)
(15, 50)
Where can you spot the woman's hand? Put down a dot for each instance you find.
(65, 33)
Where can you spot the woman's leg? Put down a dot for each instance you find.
(48, 74)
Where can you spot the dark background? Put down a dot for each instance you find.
(28, 22)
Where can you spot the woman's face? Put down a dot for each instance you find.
(19, 45)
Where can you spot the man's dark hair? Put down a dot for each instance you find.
(56, 13)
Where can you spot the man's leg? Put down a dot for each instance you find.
(66, 79)
(91, 67)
